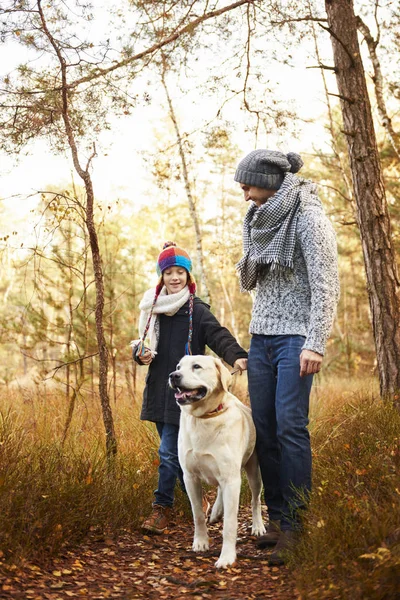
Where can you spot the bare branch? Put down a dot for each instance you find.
(333, 34)
(72, 362)
(345, 98)
(298, 20)
(168, 40)
(321, 66)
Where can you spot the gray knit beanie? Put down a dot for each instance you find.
(267, 168)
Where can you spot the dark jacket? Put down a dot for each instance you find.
(159, 402)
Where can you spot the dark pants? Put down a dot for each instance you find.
(169, 469)
(280, 400)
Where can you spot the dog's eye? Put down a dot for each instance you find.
(197, 367)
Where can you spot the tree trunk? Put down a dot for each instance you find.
(205, 292)
(378, 85)
(70, 313)
(84, 174)
(372, 212)
(111, 441)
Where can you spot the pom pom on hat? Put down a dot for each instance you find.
(173, 256)
(266, 168)
(168, 244)
(295, 161)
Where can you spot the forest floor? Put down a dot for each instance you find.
(142, 566)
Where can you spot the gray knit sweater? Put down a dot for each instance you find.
(302, 301)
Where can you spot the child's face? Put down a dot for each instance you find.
(175, 279)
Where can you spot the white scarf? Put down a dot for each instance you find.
(167, 304)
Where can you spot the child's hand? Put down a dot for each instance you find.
(241, 364)
(146, 358)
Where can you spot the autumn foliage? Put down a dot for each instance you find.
(53, 498)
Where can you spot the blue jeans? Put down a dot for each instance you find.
(169, 469)
(280, 400)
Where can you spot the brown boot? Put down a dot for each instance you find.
(159, 519)
(271, 537)
(287, 541)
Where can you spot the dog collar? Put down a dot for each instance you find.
(214, 413)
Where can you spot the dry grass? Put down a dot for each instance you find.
(52, 495)
(351, 548)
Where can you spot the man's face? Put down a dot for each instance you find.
(257, 194)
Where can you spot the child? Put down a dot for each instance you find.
(176, 322)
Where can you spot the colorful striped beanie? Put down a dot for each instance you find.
(173, 256)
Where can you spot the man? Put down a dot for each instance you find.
(290, 259)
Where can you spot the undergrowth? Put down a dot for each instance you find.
(52, 495)
(351, 545)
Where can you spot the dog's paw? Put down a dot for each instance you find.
(258, 529)
(226, 560)
(200, 544)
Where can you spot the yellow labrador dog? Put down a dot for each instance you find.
(216, 439)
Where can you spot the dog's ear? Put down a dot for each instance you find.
(224, 374)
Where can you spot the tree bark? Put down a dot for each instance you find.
(372, 211)
(84, 174)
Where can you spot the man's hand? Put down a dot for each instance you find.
(241, 364)
(310, 362)
(146, 358)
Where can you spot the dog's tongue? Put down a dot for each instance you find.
(185, 394)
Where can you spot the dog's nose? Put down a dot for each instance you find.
(175, 377)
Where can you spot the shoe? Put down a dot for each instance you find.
(205, 504)
(287, 541)
(159, 519)
(271, 537)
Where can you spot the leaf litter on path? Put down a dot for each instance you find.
(136, 566)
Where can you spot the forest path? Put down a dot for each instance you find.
(141, 566)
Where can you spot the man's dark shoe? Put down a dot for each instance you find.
(158, 521)
(287, 541)
(271, 537)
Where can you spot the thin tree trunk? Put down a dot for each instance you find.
(378, 85)
(70, 412)
(228, 300)
(372, 212)
(225, 290)
(192, 205)
(111, 442)
(70, 313)
(341, 166)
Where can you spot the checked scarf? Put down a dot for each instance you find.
(269, 232)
